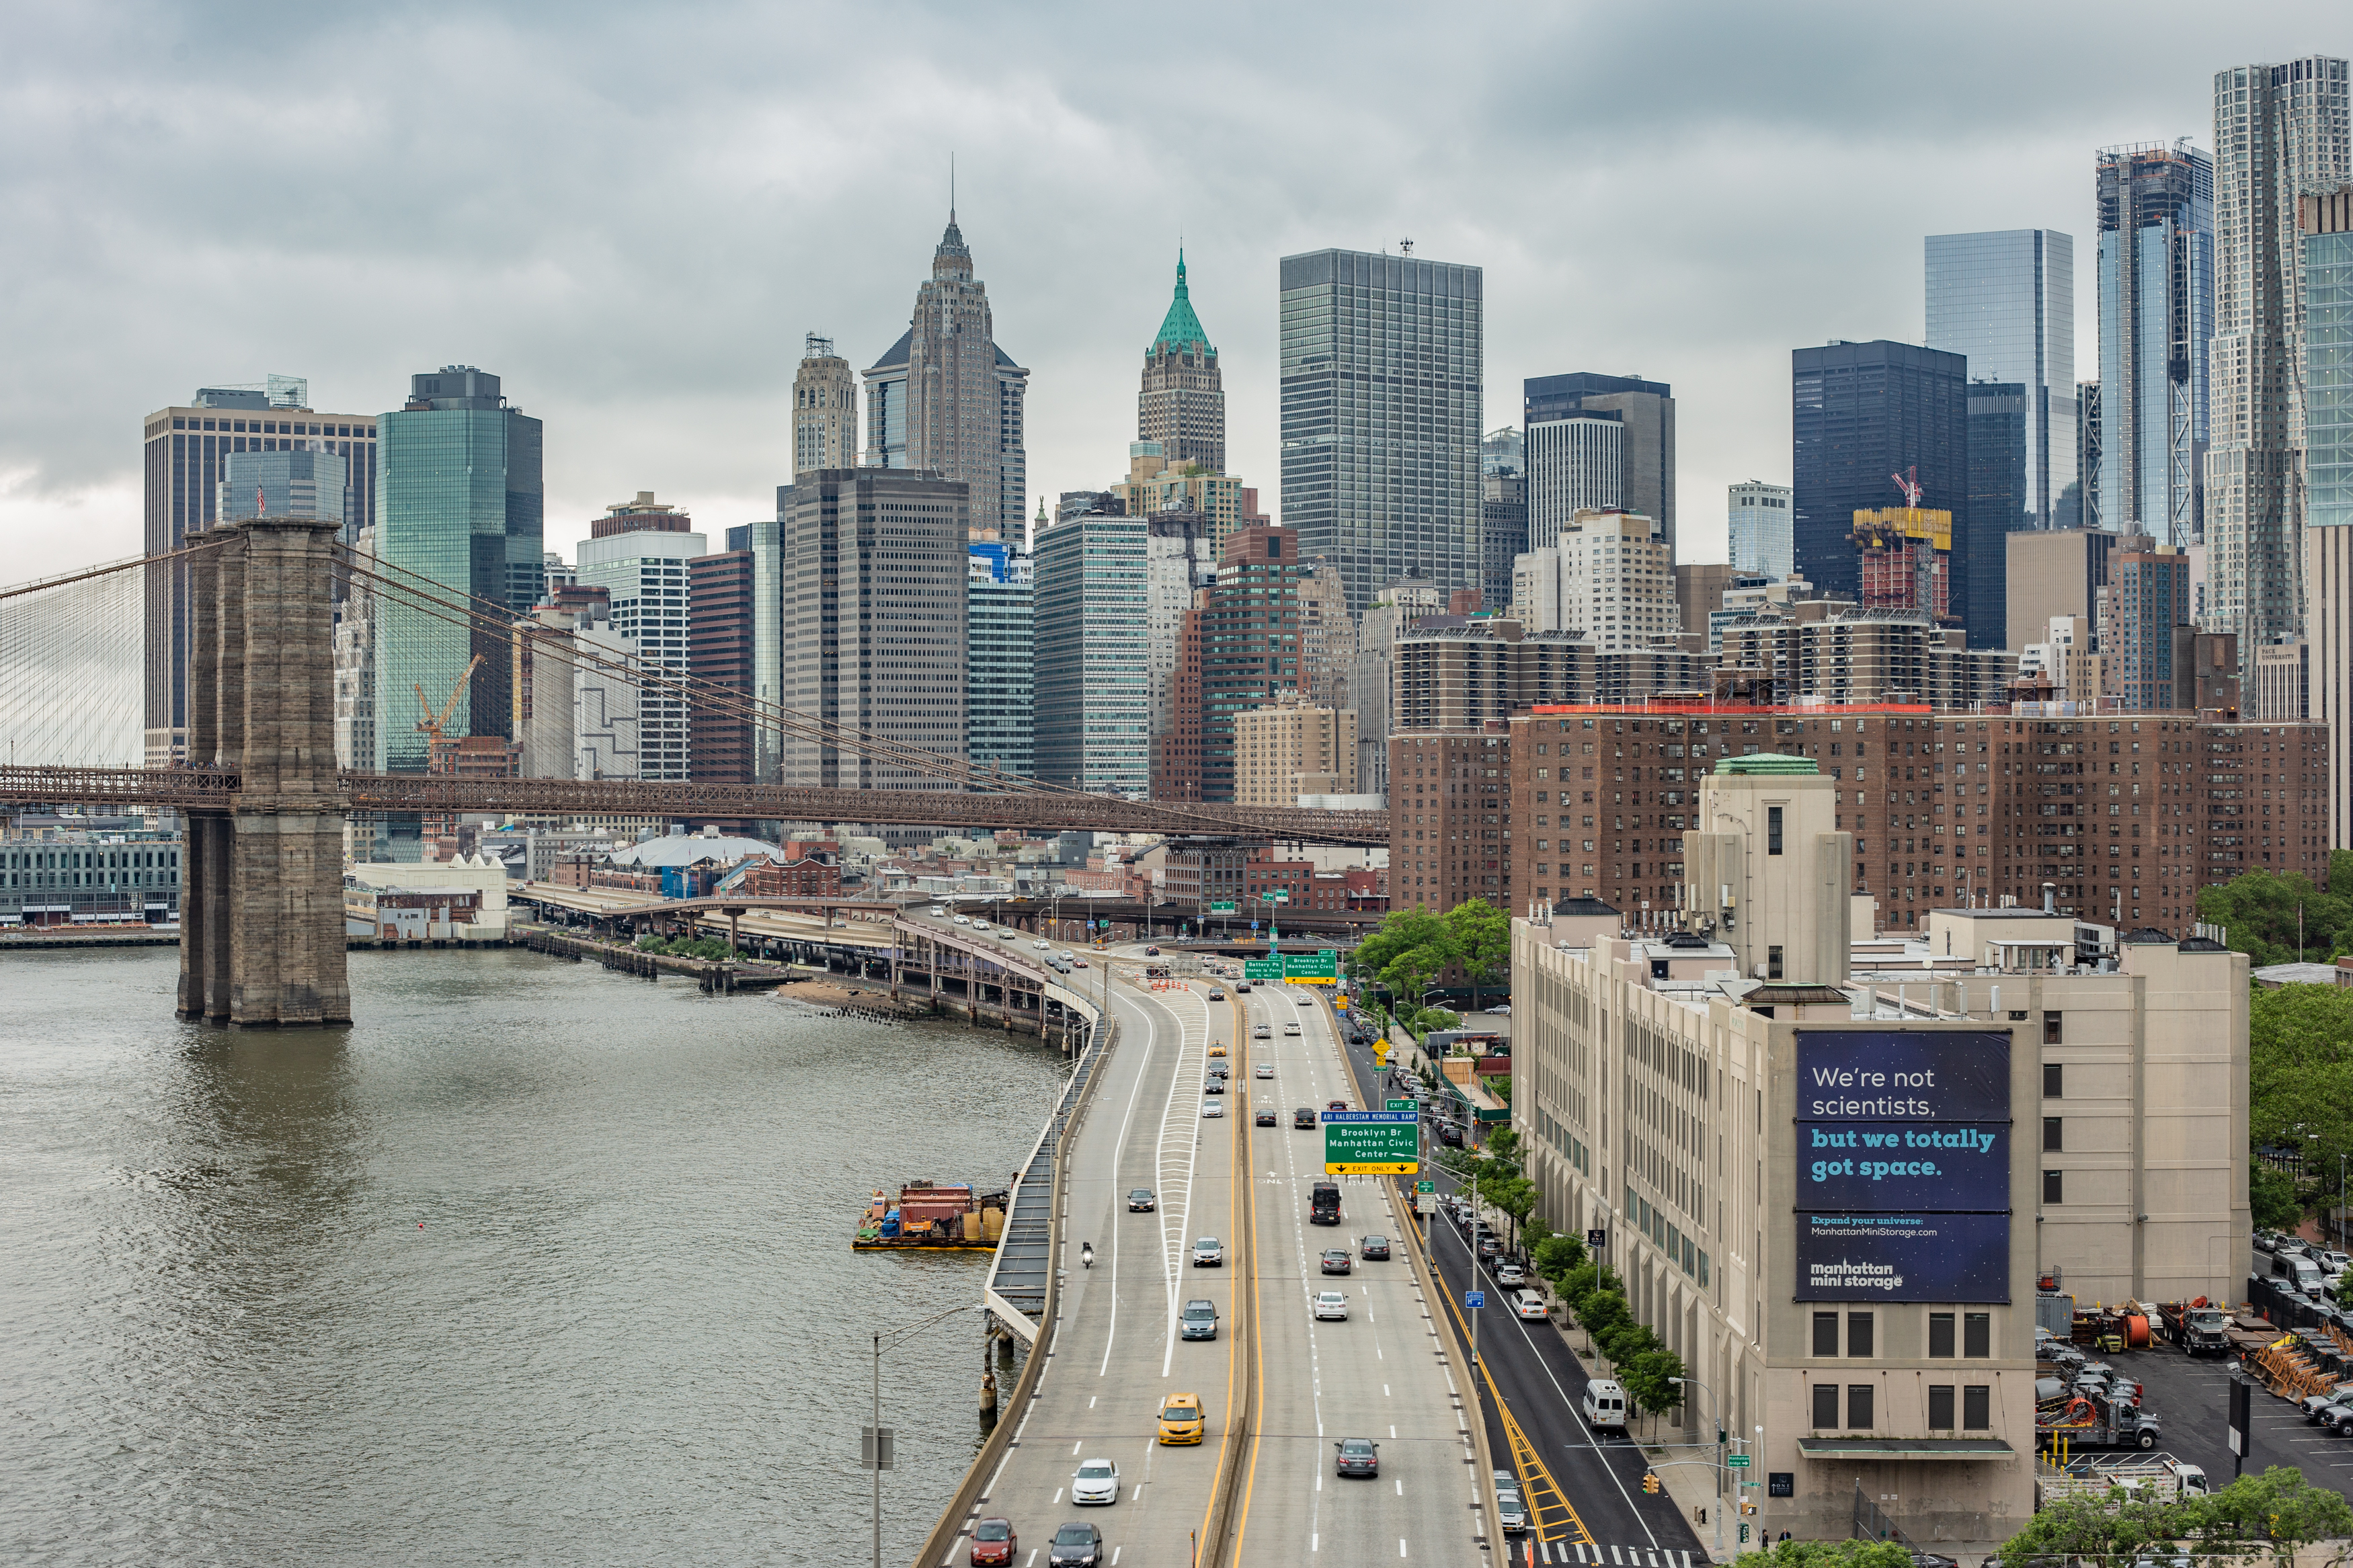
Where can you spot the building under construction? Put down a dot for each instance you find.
(1905, 560)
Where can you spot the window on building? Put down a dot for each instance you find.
(2053, 1140)
(1858, 1334)
(1940, 1334)
(1977, 1334)
(1772, 830)
(1826, 1334)
(1772, 963)
(2055, 1080)
(1826, 1407)
(1858, 1407)
(2055, 1187)
(1977, 1407)
(2051, 1028)
(1940, 1407)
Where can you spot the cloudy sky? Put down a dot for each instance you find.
(633, 214)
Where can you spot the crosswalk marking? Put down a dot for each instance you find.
(1626, 1557)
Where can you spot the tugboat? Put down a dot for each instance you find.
(931, 1217)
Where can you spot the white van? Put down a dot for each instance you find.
(1605, 1405)
(2299, 1271)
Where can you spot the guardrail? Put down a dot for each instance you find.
(1068, 1112)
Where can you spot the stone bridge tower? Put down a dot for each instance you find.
(262, 921)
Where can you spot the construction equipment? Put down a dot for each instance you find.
(2093, 1421)
(432, 724)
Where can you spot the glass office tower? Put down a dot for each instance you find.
(1383, 364)
(458, 501)
(1860, 413)
(2006, 302)
(1000, 600)
(1093, 707)
(2155, 277)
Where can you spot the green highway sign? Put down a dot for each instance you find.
(1425, 1186)
(1322, 966)
(1261, 969)
(1224, 907)
(1375, 1143)
(1403, 1105)
(1280, 896)
(1738, 1461)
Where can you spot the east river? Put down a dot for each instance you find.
(533, 1264)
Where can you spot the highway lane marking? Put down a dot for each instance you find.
(1236, 1191)
(1143, 1070)
(1173, 1248)
(1258, 1351)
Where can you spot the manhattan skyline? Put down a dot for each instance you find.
(651, 281)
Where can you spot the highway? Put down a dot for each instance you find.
(1115, 1355)
(1587, 1491)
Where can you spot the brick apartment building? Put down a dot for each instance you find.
(2127, 814)
(808, 877)
(1450, 796)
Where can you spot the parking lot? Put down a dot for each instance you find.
(2193, 1398)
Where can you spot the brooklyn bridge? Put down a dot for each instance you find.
(265, 802)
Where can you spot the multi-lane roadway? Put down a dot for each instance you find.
(1115, 1355)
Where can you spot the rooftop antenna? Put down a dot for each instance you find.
(1406, 246)
(951, 187)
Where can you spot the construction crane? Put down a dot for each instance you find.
(1909, 482)
(432, 722)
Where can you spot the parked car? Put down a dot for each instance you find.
(2268, 1240)
(1359, 1457)
(1208, 1252)
(1374, 1248)
(1511, 1508)
(1510, 1274)
(1097, 1480)
(1330, 1305)
(1076, 1546)
(1143, 1200)
(1528, 1304)
(993, 1545)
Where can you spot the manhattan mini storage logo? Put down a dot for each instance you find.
(1846, 1275)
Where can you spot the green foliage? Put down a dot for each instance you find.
(683, 947)
(1796, 1553)
(2270, 1195)
(2258, 913)
(1648, 1379)
(1602, 1312)
(1409, 949)
(1556, 1256)
(1482, 942)
(2275, 1512)
(2300, 1080)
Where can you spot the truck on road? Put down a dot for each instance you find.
(2094, 1421)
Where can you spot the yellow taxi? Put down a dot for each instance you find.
(1217, 1050)
(1181, 1420)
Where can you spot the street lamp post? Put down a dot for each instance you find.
(873, 1455)
(1693, 1381)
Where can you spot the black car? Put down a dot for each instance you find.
(1142, 1200)
(1265, 1117)
(1242, 987)
(1375, 1247)
(1214, 1084)
(1335, 1260)
(1148, 952)
(1304, 1116)
(1359, 1457)
(1077, 1545)
(1449, 1135)
(1217, 996)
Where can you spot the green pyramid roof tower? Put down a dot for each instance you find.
(1181, 327)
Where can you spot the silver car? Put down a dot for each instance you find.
(1212, 1110)
(1330, 1305)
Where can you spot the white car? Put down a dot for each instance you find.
(1502, 1009)
(1331, 1304)
(1208, 1252)
(937, 914)
(1041, 946)
(962, 920)
(1528, 1304)
(1095, 1481)
(1307, 1001)
(1266, 1070)
(1213, 1109)
(1291, 1028)
(1510, 1274)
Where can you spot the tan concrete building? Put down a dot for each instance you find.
(1450, 817)
(1867, 1326)
(1292, 747)
(2053, 572)
(1832, 652)
(825, 409)
(1609, 574)
(1700, 587)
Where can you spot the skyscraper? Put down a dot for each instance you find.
(2156, 272)
(1093, 722)
(1182, 404)
(720, 746)
(186, 447)
(1238, 649)
(947, 398)
(2002, 419)
(1759, 531)
(2279, 129)
(1001, 600)
(641, 552)
(1646, 454)
(1382, 364)
(825, 409)
(2005, 302)
(459, 501)
(1576, 463)
(1860, 414)
(2148, 599)
(872, 621)
(283, 484)
(2325, 225)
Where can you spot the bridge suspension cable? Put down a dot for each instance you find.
(457, 607)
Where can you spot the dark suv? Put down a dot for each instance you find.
(1304, 1116)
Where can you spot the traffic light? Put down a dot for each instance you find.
(1744, 1533)
(1651, 1482)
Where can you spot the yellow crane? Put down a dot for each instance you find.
(432, 722)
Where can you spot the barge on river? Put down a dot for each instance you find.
(931, 1217)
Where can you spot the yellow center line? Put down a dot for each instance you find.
(1233, 1215)
(1257, 1358)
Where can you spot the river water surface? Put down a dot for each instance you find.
(533, 1264)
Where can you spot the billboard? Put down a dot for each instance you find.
(1903, 1257)
(1902, 1165)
